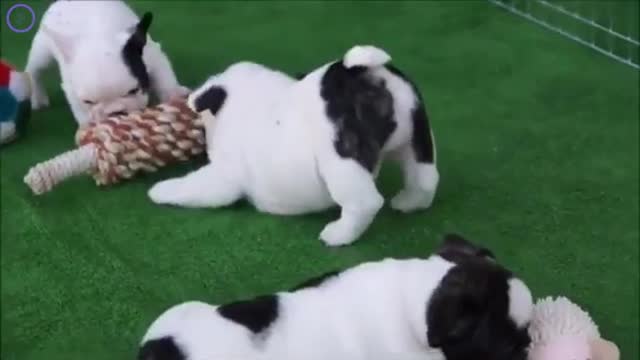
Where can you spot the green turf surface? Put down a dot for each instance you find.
(537, 142)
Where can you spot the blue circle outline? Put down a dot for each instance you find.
(17, 6)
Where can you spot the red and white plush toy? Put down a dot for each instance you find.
(14, 88)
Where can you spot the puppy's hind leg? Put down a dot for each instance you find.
(206, 187)
(353, 188)
(418, 159)
(40, 57)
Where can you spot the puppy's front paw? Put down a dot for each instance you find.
(164, 192)
(408, 201)
(179, 92)
(337, 233)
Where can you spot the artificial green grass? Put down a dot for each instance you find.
(537, 144)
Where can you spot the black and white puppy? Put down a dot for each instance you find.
(108, 62)
(458, 304)
(294, 146)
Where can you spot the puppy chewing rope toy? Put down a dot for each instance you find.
(121, 146)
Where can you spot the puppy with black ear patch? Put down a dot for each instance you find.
(458, 304)
(108, 63)
(294, 146)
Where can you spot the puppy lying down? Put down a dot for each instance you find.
(458, 304)
(297, 146)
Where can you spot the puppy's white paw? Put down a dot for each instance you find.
(337, 233)
(39, 100)
(409, 201)
(177, 93)
(164, 192)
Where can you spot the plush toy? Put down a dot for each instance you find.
(15, 87)
(120, 146)
(561, 330)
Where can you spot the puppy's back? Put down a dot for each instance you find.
(81, 17)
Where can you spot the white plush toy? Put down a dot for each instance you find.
(561, 330)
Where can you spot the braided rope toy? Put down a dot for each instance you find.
(121, 146)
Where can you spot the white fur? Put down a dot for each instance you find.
(374, 311)
(85, 38)
(273, 144)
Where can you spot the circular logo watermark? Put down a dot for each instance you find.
(16, 29)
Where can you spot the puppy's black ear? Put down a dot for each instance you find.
(456, 307)
(139, 34)
(133, 49)
(145, 23)
(455, 246)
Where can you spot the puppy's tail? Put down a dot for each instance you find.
(365, 55)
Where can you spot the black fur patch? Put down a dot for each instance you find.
(468, 314)
(212, 99)
(160, 349)
(133, 49)
(361, 108)
(457, 249)
(316, 281)
(256, 314)
(422, 141)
